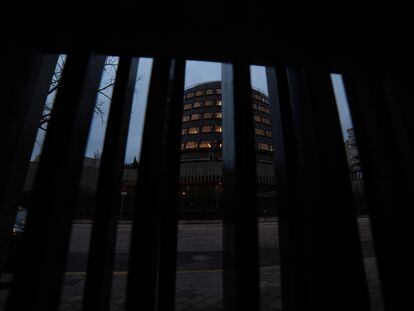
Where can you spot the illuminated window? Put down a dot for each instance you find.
(218, 129)
(220, 145)
(183, 131)
(208, 103)
(206, 129)
(190, 145)
(218, 91)
(195, 116)
(204, 144)
(266, 121)
(259, 132)
(186, 118)
(199, 93)
(197, 105)
(208, 115)
(268, 133)
(193, 130)
(209, 92)
(182, 145)
(263, 146)
(262, 109)
(187, 106)
(267, 111)
(270, 147)
(254, 106)
(218, 103)
(218, 115)
(258, 97)
(257, 119)
(189, 95)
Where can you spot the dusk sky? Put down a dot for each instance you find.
(196, 72)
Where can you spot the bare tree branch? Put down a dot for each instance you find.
(110, 69)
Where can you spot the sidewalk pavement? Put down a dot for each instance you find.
(183, 221)
(195, 290)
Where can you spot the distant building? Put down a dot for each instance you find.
(201, 146)
(201, 169)
(355, 172)
(352, 152)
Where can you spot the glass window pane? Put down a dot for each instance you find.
(197, 105)
(206, 129)
(263, 146)
(205, 144)
(208, 103)
(190, 145)
(195, 116)
(199, 93)
(208, 115)
(189, 95)
(259, 132)
(187, 106)
(193, 130)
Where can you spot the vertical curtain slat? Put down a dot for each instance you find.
(240, 234)
(40, 272)
(26, 96)
(149, 213)
(289, 218)
(329, 233)
(107, 202)
(170, 187)
(382, 108)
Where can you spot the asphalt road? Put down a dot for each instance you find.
(199, 245)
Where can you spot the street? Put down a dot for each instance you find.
(199, 266)
(199, 244)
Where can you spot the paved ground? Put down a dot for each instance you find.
(199, 274)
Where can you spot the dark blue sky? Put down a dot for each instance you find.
(196, 72)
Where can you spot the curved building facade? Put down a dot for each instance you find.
(201, 169)
(201, 145)
(201, 127)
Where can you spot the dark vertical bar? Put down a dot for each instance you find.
(290, 220)
(145, 241)
(170, 188)
(381, 109)
(40, 271)
(332, 251)
(103, 238)
(26, 96)
(240, 235)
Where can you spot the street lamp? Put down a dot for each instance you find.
(123, 194)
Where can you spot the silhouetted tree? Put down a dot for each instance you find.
(105, 90)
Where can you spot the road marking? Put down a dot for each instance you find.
(124, 273)
(199, 237)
